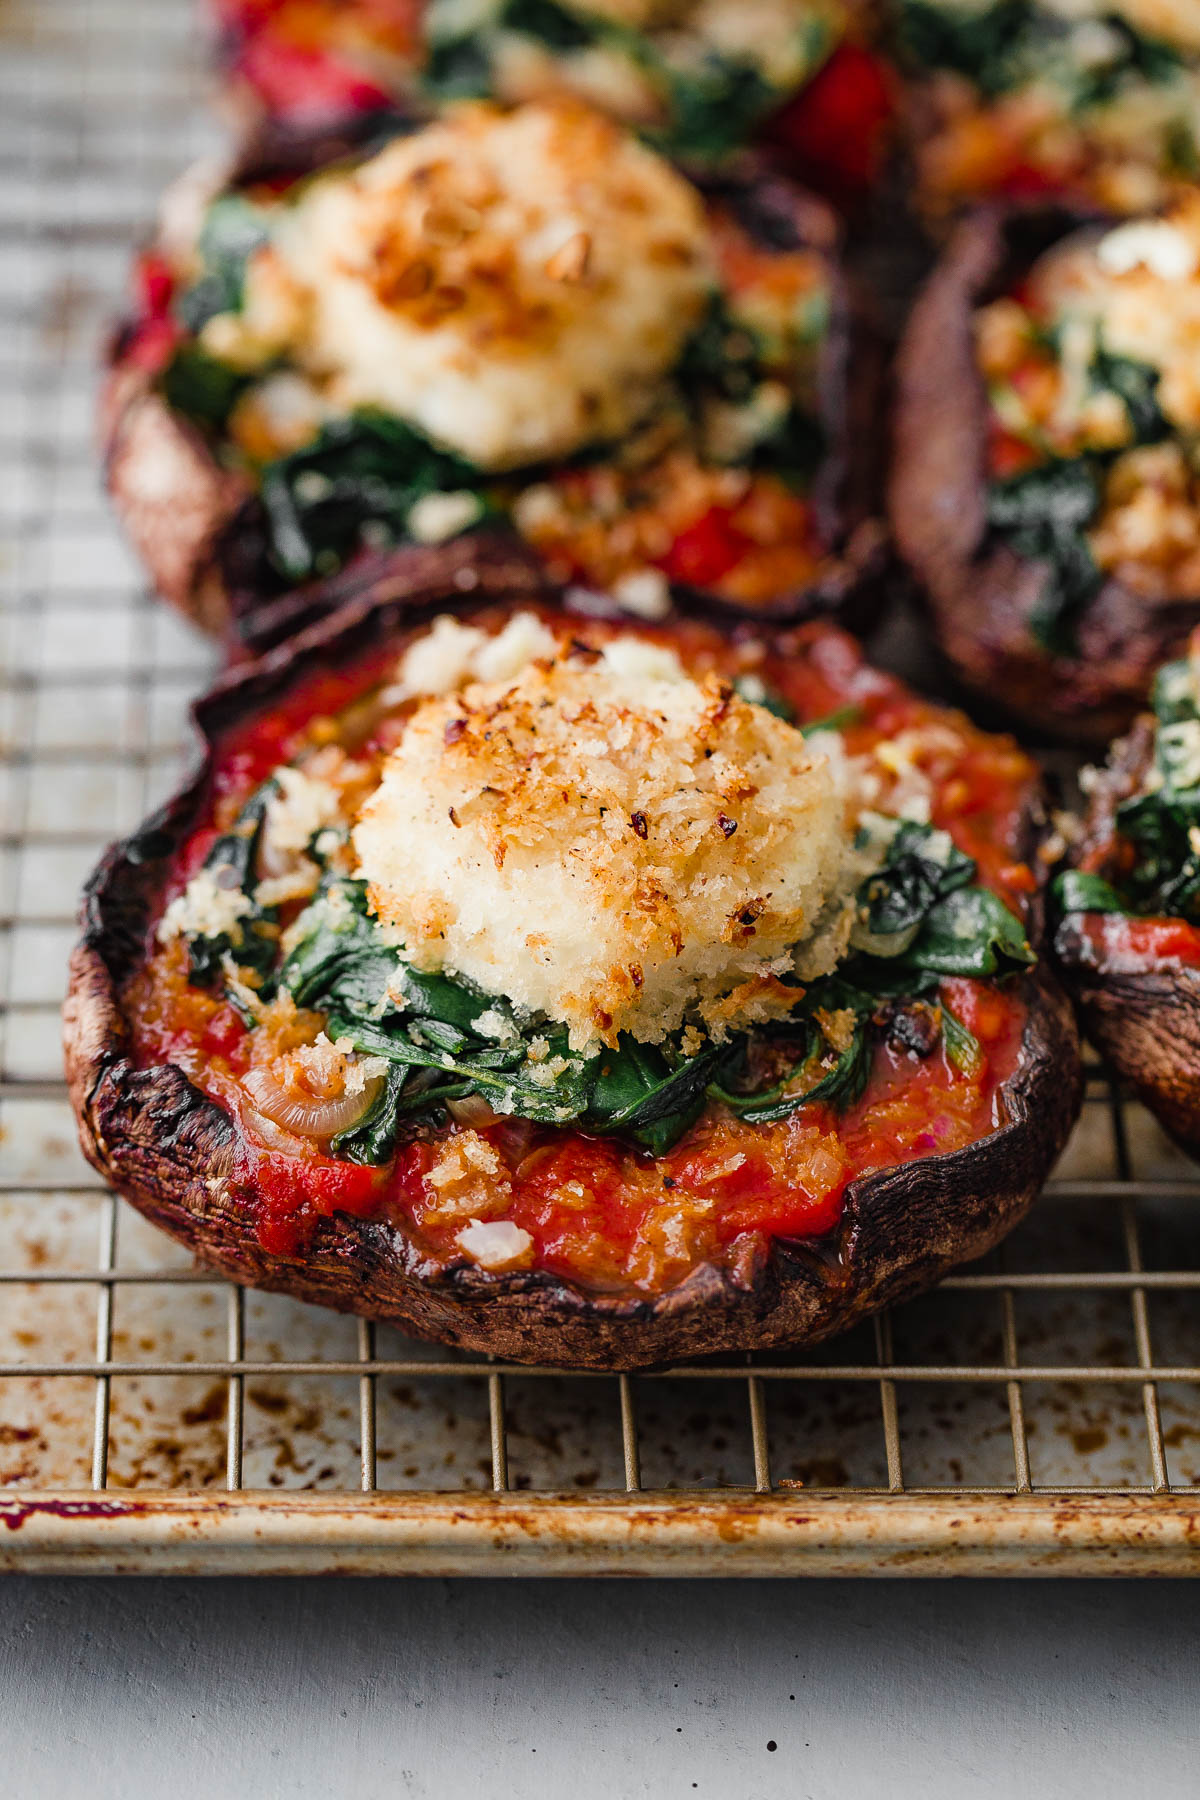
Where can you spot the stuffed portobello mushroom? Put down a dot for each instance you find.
(698, 79)
(295, 66)
(577, 990)
(1044, 489)
(1032, 99)
(1128, 931)
(523, 325)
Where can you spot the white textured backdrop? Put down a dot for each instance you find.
(364, 1690)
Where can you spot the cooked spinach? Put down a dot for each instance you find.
(201, 388)
(1136, 385)
(756, 693)
(555, 26)
(971, 932)
(444, 1040)
(440, 1030)
(233, 230)
(922, 868)
(254, 941)
(1015, 42)
(442, 1035)
(711, 102)
(1161, 824)
(725, 360)
(1043, 513)
(460, 65)
(956, 928)
(714, 105)
(1077, 892)
(721, 357)
(1132, 56)
(361, 476)
(983, 44)
(794, 449)
(458, 68)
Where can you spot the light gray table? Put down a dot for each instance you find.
(281, 1690)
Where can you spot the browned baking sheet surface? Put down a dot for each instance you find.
(1040, 1411)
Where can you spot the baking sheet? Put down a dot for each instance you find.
(955, 1431)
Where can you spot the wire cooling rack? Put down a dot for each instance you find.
(1039, 1411)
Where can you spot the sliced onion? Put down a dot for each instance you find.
(472, 1110)
(882, 943)
(271, 1135)
(304, 1115)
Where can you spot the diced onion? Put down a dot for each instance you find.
(301, 1113)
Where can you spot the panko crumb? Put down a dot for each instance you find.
(633, 848)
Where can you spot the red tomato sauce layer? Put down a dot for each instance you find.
(600, 1213)
(1116, 944)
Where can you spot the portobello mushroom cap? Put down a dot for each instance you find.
(1145, 1022)
(980, 593)
(169, 1149)
(200, 528)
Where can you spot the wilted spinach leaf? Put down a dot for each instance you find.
(366, 470)
(233, 230)
(1043, 513)
(981, 43)
(714, 105)
(553, 25)
(200, 387)
(232, 860)
(922, 867)
(1077, 892)
(1136, 385)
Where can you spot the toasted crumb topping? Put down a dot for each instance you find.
(603, 839)
(513, 284)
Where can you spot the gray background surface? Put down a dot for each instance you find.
(379, 1688)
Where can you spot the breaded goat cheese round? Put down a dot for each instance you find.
(515, 285)
(606, 841)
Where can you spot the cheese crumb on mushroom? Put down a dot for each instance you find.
(205, 909)
(496, 1243)
(515, 285)
(606, 841)
(1136, 291)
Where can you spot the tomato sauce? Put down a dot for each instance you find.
(606, 1216)
(837, 128)
(1116, 944)
(310, 61)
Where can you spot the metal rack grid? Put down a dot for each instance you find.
(1039, 1410)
